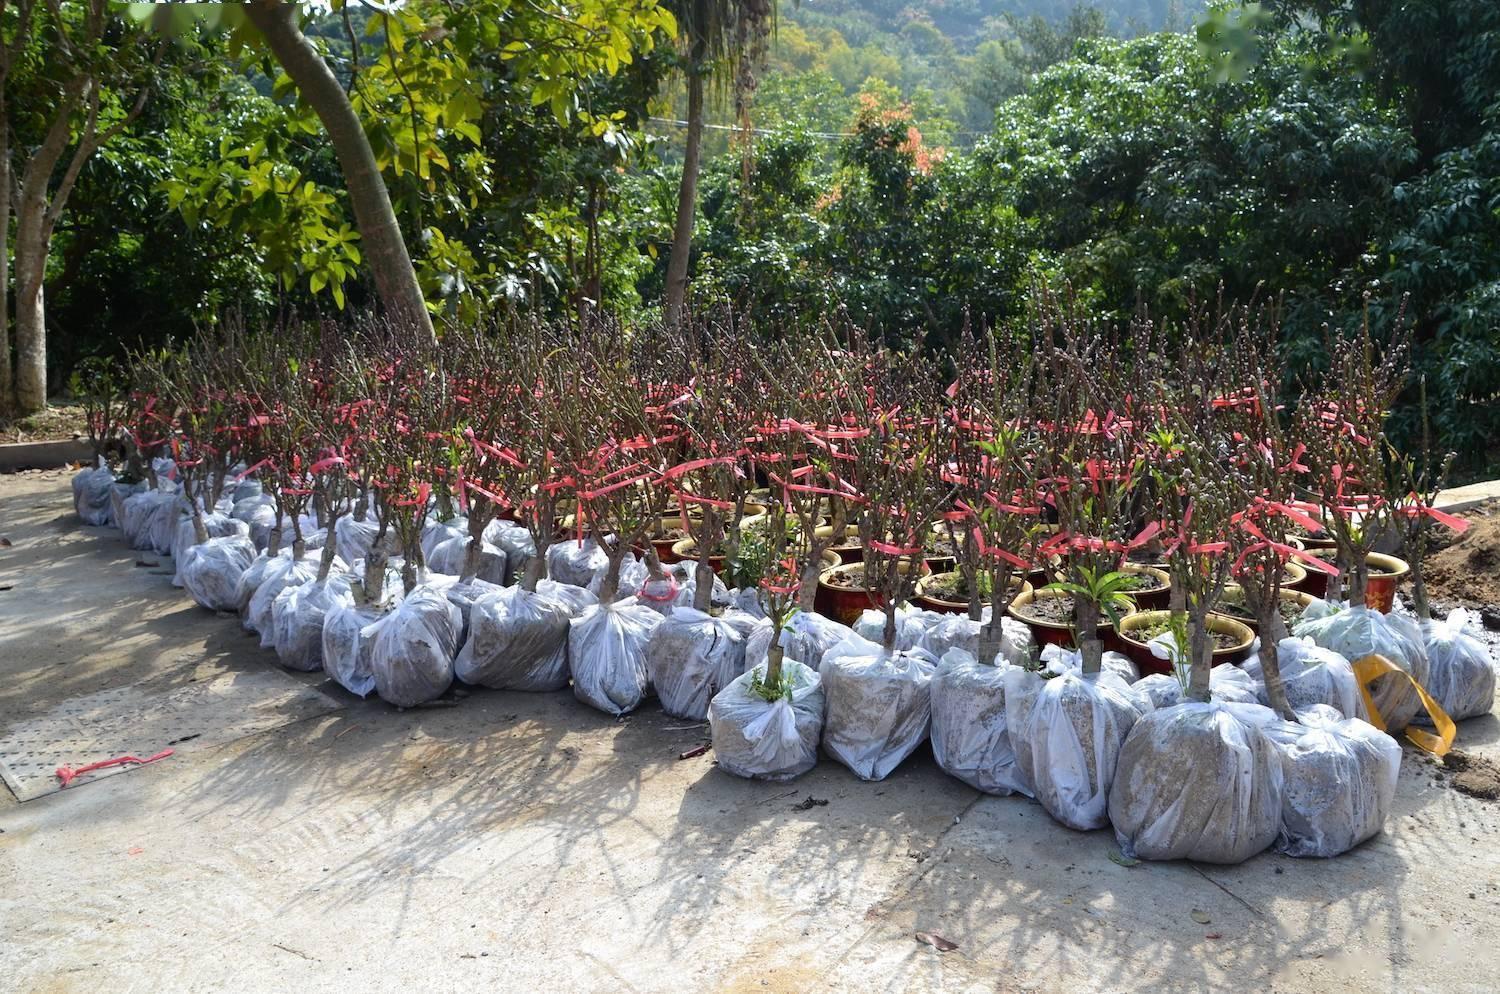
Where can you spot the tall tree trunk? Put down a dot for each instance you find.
(7, 374)
(380, 234)
(31, 309)
(687, 193)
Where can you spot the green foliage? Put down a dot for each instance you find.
(1109, 589)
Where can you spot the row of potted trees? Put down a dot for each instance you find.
(702, 511)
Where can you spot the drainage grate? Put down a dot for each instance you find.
(133, 721)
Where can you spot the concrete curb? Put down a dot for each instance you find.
(43, 455)
(1463, 498)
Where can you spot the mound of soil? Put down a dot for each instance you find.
(1473, 775)
(1467, 570)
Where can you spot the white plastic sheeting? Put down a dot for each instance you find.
(91, 495)
(690, 657)
(186, 540)
(297, 617)
(1356, 632)
(280, 573)
(1312, 675)
(959, 631)
(1460, 671)
(970, 730)
(911, 626)
(348, 638)
(211, 575)
(1070, 742)
(518, 640)
(1339, 781)
(879, 705)
(1198, 781)
(580, 563)
(805, 638)
(768, 740)
(607, 653)
(412, 657)
(449, 556)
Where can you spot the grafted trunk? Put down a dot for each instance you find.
(380, 234)
(774, 657)
(1087, 614)
(808, 591)
(991, 634)
(330, 551)
(1200, 652)
(1270, 667)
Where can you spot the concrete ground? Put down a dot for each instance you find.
(527, 843)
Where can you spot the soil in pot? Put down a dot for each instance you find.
(1048, 610)
(1142, 636)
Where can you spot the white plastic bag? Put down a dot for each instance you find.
(515, 541)
(577, 562)
(806, 638)
(141, 513)
(1198, 781)
(280, 573)
(412, 657)
(970, 733)
(185, 541)
(911, 626)
(607, 654)
(212, 574)
(348, 639)
(633, 575)
(879, 705)
(462, 594)
(746, 600)
(449, 556)
(1226, 685)
(91, 495)
(1070, 742)
(677, 588)
(690, 657)
(1312, 675)
(297, 617)
(765, 740)
(1056, 660)
(259, 515)
(435, 533)
(1460, 672)
(518, 640)
(118, 494)
(959, 631)
(354, 538)
(163, 527)
(1356, 632)
(1339, 781)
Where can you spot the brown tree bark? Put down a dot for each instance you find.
(687, 194)
(380, 234)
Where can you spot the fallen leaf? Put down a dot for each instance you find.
(1201, 917)
(1115, 856)
(810, 803)
(4, 542)
(937, 942)
(1213, 935)
(143, 564)
(134, 851)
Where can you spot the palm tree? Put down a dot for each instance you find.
(724, 37)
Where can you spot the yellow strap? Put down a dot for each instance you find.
(1373, 667)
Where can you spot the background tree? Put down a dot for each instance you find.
(728, 36)
(88, 75)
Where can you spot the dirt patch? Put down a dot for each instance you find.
(61, 421)
(1473, 775)
(1467, 570)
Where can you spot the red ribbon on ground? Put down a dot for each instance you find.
(67, 774)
